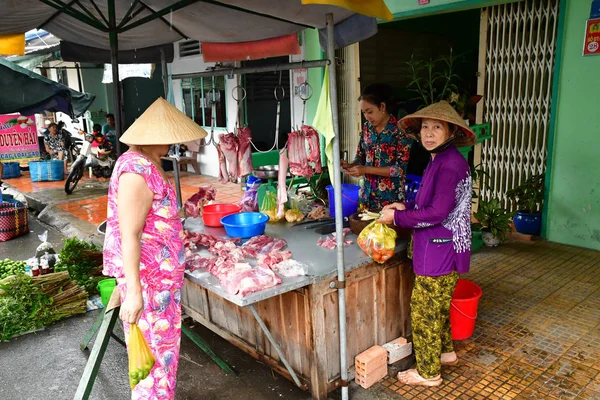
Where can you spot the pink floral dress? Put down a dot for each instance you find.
(161, 273)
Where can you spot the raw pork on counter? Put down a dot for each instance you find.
(330, 241)
(290, 268)
(274, 257)
(244, 151)
(246, 280)
(194, 206)
(229, 146)
(262, 245)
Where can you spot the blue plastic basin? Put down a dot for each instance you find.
(245, 225)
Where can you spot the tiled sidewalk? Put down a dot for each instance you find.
(538, 330)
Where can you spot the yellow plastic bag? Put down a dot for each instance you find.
(378, 241)
(269, 206)
(141, 359)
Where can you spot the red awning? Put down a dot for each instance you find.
(244, 51)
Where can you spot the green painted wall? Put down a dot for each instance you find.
(410, 8)
(573, 195)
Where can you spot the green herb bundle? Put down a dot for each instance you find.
(83, 261)
(28, 304)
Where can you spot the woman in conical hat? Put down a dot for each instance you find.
(143, 246)
(440, 218)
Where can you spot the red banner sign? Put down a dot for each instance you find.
(591, 45)
(18, 138)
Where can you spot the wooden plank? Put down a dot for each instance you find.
(248, 349)
(332, 332)
(319, 353)
(407, 281)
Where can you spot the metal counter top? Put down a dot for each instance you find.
(321, 262)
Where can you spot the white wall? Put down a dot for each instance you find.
(207, 156)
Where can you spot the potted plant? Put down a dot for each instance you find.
(527, 199)
(478, 174)
(495, 221)
(476, 237)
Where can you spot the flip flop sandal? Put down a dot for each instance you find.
(450, 363)
(418, 379)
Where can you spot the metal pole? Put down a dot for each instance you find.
(114, 61)
(339, 218)
(271, 339)
(254, 70)
(80, 85)
(165, 75)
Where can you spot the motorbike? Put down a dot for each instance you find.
(100, 159)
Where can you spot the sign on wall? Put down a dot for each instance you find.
(18, 138)
(591, 45)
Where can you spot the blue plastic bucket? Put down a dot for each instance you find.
(349, 199)
(42, 171)
(11, 170)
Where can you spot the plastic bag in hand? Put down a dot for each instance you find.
(378, 241)
(141, 359)
(269, 207)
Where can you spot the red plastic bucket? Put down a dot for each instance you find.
(213, 213)
(463, 309)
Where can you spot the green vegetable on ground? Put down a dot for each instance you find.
(83, 261)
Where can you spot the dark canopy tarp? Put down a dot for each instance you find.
(26, 92)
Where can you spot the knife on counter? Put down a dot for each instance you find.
(329, 228)
(314, 222)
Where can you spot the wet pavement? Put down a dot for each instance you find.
(537, 334)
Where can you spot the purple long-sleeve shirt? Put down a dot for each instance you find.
(440, 216)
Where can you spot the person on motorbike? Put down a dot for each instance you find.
(109, 129)
(55, 144)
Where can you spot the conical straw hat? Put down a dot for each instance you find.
(162, 123)
(442, 111)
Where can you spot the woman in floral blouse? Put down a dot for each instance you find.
(383, 151)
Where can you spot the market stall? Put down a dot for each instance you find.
(293, 327)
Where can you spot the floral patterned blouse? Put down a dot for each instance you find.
(162, 261)
(390, 148)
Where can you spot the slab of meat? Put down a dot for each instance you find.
(297, 154)
(314, 147)
(194, 206)
(251, 280)
(244, 151)
(290, 268)
(330, 242)
(282, 197)
(223, 174)
(318, 213)
(196, 261)
(262, 245)
(272, 258)
(227, 249)
(229, 146)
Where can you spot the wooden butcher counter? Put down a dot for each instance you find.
(301, 313)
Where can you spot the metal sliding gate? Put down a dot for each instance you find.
(520, 46)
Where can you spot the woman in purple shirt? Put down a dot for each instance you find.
(440, 218)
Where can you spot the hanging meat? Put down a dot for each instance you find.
(194, 206)
(282, 197)
(229, 146)
(223, 174)
(297, 154)
(244, 151)
(314, 147)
